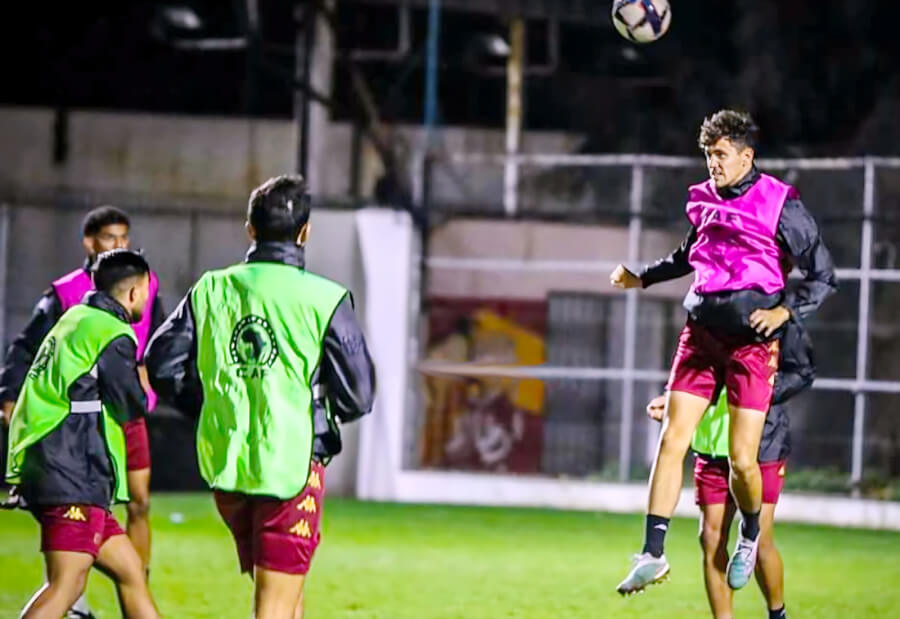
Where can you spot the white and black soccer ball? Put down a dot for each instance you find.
(641, 21)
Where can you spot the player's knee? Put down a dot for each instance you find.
(710, 540)
(766, 543)
(675, 441)
(743, 463)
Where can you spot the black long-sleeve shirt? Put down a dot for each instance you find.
(797, 235)
(23, 348)
(796, 373)
(343, 386)
(71, 463)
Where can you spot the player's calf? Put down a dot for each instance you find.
(119, 560)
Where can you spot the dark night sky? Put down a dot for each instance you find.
(813, 73)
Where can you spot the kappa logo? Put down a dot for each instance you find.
(75, 513)
(315, 482)
(253, 348)
(301, 529)
(308, 505)
(43, 357)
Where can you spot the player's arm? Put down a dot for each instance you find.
(21, 351)
(799, 235)
(347, 369)
(159, 315)
(118, 382)
(673, 266)
(171, 360)
(797, 370)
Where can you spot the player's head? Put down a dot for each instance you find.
(728, 139)
(105, 228)
(279, 211)
(124, 275)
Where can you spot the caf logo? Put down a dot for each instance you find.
(253, 347)
(42, 359)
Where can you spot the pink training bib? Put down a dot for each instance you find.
(736, 247)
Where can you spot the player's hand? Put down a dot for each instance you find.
(623, 278)
(7, 411)
(656, 408)
(766, 322)
(144, 378)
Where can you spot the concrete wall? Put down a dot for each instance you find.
(222, 159)
(539, 241)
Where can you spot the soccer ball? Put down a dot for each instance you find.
(641, 21)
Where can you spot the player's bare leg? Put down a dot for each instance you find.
(683, 413)
(769, 568)
(67, 574)
(277, 593)
(138, 524)
(715, 522)
(298, 611)
(119, 560)
(745, 432)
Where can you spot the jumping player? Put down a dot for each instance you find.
(717, 508)
(268, 356)
(743, 223)
(67, 445)
(104, 228)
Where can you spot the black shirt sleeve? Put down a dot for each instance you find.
(347, 369)
(118, 382)
(171, 360)
(799, 235)
(21, 351)
(797, 369)
(159, 314)
(673, 266)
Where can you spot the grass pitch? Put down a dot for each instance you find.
(411, 561)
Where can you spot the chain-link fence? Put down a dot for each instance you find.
(528, 286)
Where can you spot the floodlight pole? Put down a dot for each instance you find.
(304, 15)
(513, 115)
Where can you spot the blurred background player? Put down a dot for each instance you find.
(66, 441)
(742, 224)
(268, 356)
(710, 445)
(104, 228)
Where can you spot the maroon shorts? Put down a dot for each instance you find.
(704, 360)
(277, 535)
(711, 481)
(75, 528)
(137, 442)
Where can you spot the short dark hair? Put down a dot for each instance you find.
(279, 208)
(116, 266)
(101, 217)
(738, 127)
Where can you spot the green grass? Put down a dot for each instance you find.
(398, 561)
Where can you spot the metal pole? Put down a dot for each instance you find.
(631, 318)
(431, 69)
(862, 335)
(305, 15)
(513, 115)
(320, 74)
(4, 269)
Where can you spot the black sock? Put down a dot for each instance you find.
(778, 614)
(750, 525)
(655, 534)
